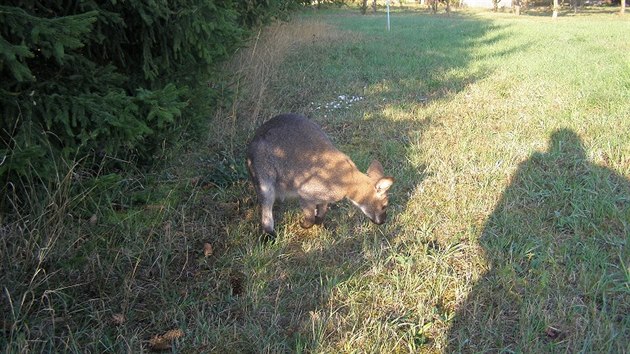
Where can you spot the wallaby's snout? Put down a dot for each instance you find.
(374, 201)
(290, 156)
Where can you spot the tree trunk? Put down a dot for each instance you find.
(374, 6)
(555, 9)
(623, 7)
(364, 6)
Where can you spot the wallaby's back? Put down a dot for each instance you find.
(297, 156)
(291, 125)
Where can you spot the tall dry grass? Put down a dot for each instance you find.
(254, 70)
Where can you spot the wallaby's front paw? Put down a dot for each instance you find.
(318, 220)
(307, 223)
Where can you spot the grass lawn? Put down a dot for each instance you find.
(509, 222)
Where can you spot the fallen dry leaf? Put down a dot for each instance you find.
(118, 319)
(207, 249)
(173, 334)
(93, 219)
(554, 333)
(165, 341)
(159, 343)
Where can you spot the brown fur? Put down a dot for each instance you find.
(290, 156)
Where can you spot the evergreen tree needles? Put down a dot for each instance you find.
(88, 79)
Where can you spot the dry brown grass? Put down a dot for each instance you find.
(254, 69)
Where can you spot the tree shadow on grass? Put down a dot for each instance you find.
(557, 252)
(547, 11)
(287, 291)
(420, 60)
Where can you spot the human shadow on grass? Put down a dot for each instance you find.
(557, 251)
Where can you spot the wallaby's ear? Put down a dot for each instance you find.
(375, 171)
(383, 185)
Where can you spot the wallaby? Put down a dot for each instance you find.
(290, 156)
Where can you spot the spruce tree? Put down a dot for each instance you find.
(83, 79)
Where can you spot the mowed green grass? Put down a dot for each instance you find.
(509, 222)
(510, 218)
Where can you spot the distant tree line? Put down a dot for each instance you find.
(86, 80)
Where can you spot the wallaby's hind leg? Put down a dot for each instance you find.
(267, 196)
